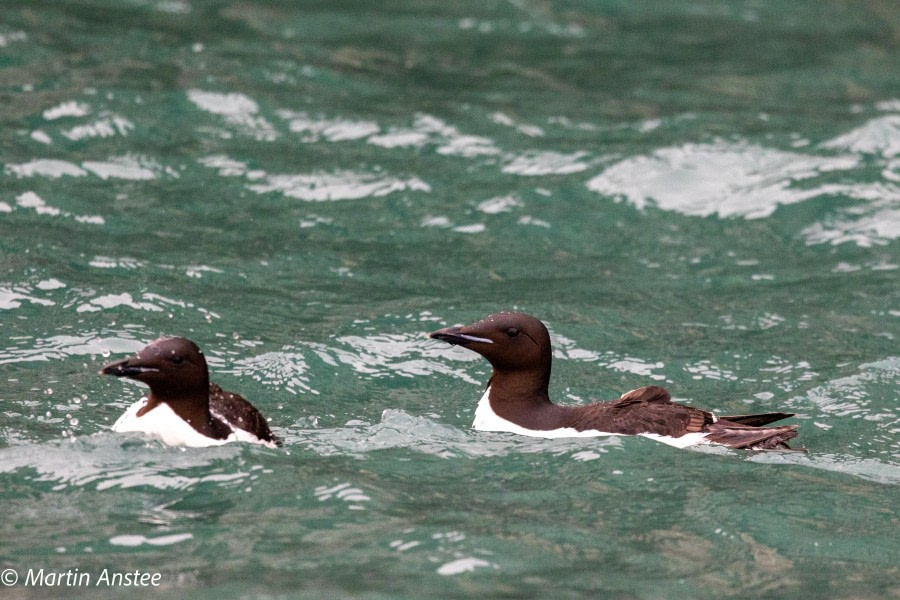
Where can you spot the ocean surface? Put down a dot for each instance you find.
(698, 194)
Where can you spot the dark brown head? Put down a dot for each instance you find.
(172, 367)
(510, 341)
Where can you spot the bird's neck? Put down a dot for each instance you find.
(520, 386)
(523, 398)
(192, 406)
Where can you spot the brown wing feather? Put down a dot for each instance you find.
(644, 410)
(650, 410)
(240, 412)
(645, 395)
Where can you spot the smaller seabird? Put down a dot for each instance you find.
(517, 399)
(183, 407)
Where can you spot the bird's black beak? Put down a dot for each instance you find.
(123, 368)
(456, 337)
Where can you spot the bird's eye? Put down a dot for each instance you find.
(512, 332)
(177, 360)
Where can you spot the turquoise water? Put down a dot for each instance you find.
(702, 195)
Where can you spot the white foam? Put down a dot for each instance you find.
(140, 540)
(399, 139)
(878, 136)
(530, 130)
(286, 368)
(228, 167)
(50, 284)
(41, 136)
(499, 204)
(473, 228)
(345, 185)
(875, 222)
(119, 168)
(229, 105)
(313, 129)
(116, 300)
(462, 565)
(46, 167)
(724, 179)
(529, 220)
(67, 109)
(238, 110)
(430, 129)
(547, 163)
(487, 420)
(102, 128)
(9, 299)
(124, 167)
(389, 355)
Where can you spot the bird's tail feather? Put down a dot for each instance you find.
(746, 437)
(757, 420)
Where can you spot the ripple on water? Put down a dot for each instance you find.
(547, 163)
(864, 468)
(750, 181)
(721, 178)
(375, 356)
(317, 128)
(878, 136)
(316, 187)
(449, 141)
(31, 201)
(106, 460)
(70, 108)
(851, 396)
(399, 429)
(343, 185)
(425, 130)
(286, 368)
(106, 126)
(133, 540)
(386, 355)
(238, 110)
(59, 347)
(567, 349)
(344, 492)
(108, 301)
(875, 222)
(12, 298)
(129, 167)
(463, 565)
(102, 128)
(499, 204)
(46, 167)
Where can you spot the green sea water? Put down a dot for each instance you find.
(696, 194)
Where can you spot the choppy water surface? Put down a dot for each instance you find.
(698, 194)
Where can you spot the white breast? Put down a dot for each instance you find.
(487, 420)
(163, 423)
